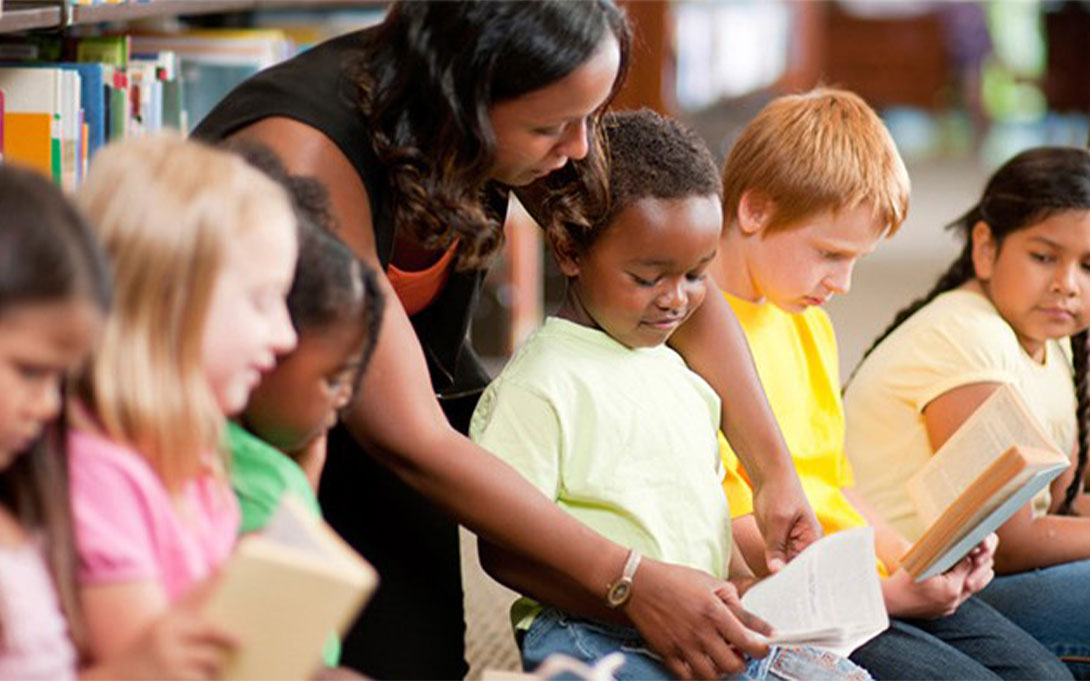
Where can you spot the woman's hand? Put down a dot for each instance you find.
(694, 621)
(785, 518)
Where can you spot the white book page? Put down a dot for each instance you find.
(287, 527)
(1001, 422)
(829, 596)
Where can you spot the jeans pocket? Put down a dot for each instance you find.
(811, 664)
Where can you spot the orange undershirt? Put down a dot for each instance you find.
(416, 290)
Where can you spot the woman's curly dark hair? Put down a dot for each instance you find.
(426, 81)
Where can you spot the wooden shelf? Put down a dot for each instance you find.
(25, 17)
(28, 18)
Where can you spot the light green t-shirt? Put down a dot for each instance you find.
(261, 474)
(622, 439)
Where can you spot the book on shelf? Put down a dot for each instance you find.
(284, 590)
(995, 463)
(828, 597)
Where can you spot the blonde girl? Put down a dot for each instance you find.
(203, 248)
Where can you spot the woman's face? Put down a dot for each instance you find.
(536, 133)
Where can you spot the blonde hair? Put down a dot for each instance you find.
(824, 150)
(166, 210)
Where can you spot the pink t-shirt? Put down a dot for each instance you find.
(129, 529)
(34, 640)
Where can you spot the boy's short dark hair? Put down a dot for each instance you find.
(650, 156)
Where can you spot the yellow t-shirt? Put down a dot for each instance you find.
(796, 358)
(955, 340)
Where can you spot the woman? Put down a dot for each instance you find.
(419, 127)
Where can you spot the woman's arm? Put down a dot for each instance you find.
(1025, 542)
(713, 345)
(400, 421)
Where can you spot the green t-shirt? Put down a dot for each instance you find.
(261, 474)
(624, 440)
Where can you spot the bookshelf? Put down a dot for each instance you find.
(52, 15)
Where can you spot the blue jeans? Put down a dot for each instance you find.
(589, 641)
(976, 642)
(1053, 605)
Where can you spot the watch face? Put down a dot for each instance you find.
(619, 592)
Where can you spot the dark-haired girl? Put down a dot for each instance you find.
(1012, 309)
(419, 128)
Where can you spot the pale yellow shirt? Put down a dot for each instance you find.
(796, 358)
(623, 440)
(956, 340)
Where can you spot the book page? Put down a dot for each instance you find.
(1001, 422)
(829, 596)
(288, 527)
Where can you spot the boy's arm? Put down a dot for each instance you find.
(749, 545)
(713, 345)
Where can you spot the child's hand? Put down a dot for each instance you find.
(983, 565)
(731, 595)
(742, 584)
(181, 644)
(938, 596)
(311, 459)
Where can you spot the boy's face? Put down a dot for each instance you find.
(299, 399)
(646, 274)
(806, 264)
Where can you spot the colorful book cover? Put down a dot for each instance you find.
(28, 139)
(107, 49)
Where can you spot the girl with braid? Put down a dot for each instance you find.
(1013, 308)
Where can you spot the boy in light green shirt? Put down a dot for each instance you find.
(605, 419)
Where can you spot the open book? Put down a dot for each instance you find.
(828, 597)
(284, 591)
(993, 465)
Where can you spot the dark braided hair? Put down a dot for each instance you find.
(426, 82)
(1031, 187)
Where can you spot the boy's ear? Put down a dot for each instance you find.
(754, 212)
(985, 250)
(567, 257)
